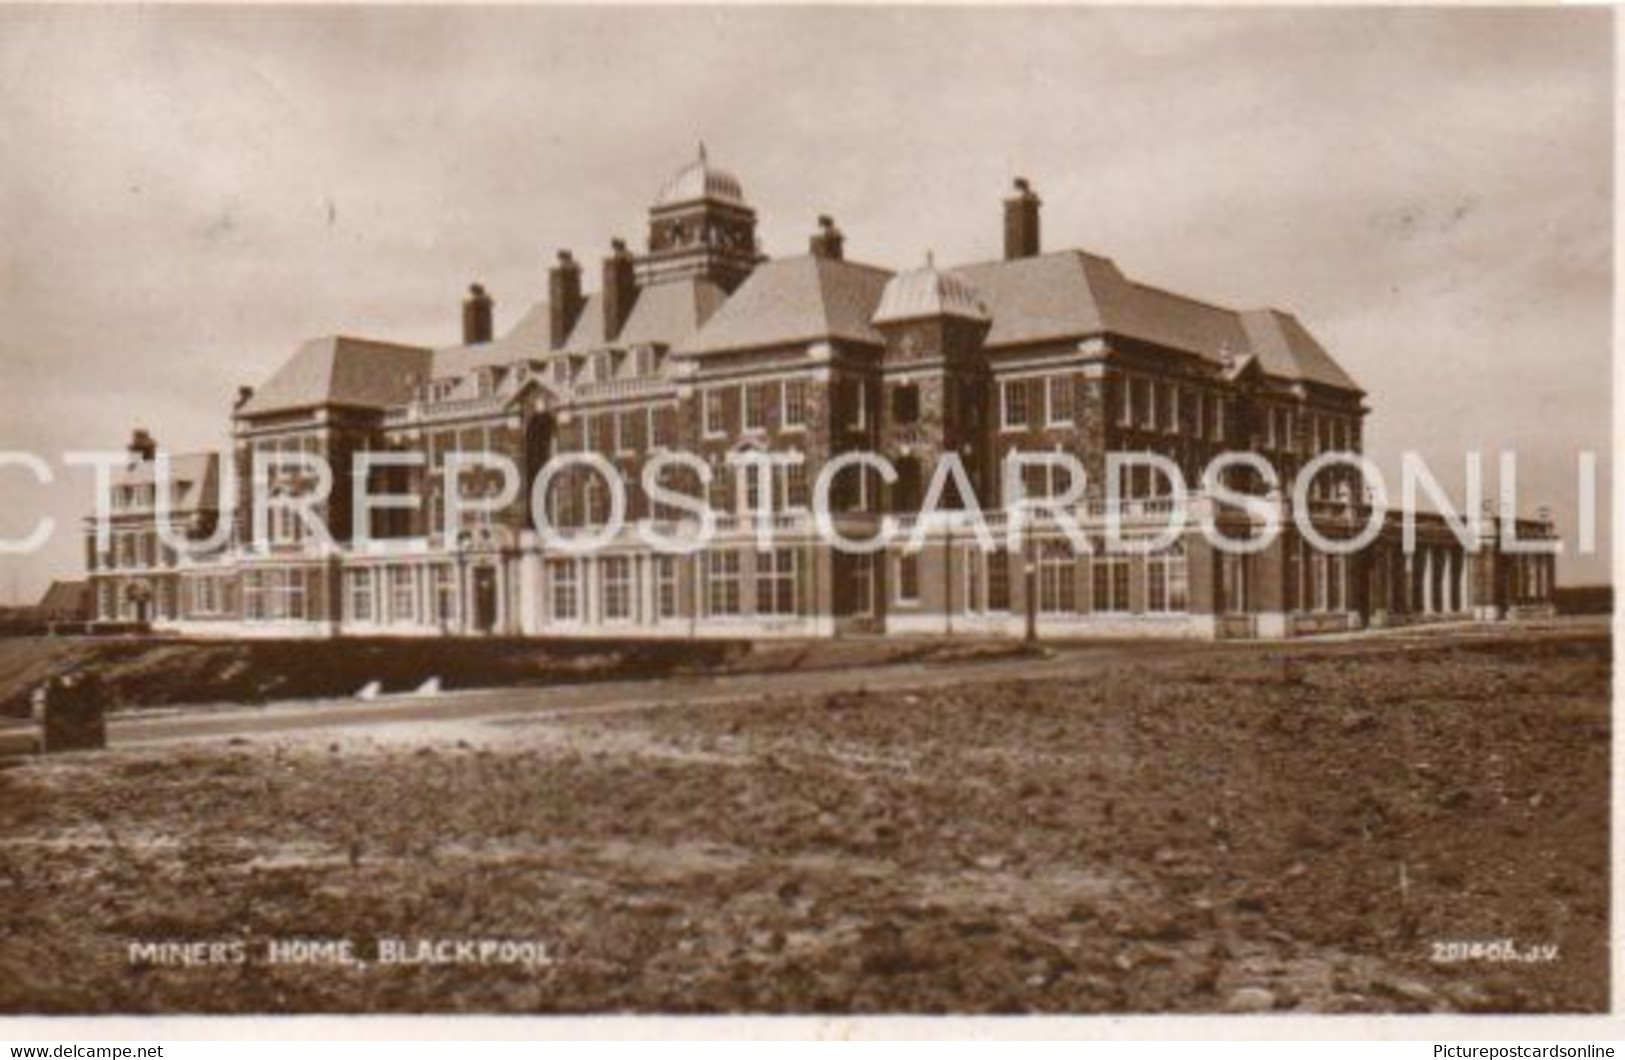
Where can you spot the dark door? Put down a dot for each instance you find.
(485, 599)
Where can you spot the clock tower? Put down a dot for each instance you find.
(701, 227)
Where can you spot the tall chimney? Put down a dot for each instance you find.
(620, 288)
(564, 299)
(827, 242)
(1021, 222)
(142, 448)
(476, 316)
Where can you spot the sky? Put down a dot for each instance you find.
(186, 194)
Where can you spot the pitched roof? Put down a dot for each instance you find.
(528, 339)
(669, 313)
(66, 598)
(194, 476)
(799, 299)
(927, 292)
(1073, 294)
(340, 370)
(1285, 348)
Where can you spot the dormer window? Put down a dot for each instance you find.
(603, 367)
(561, 372)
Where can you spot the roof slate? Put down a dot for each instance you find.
(341, 370)
(1073, 294)
(799, 299)
(66, 598)
(197, 475)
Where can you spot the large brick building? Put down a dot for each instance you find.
(702, 344)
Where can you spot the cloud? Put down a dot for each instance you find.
(192, 191)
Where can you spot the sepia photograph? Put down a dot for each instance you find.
(822, 511)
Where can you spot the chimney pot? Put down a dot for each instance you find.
(142, 447)
(620, 288)
(1021, 233)
(477, 311)
(827, 242)
(564, 299)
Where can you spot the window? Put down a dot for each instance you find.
(562, 589)
(603, 368)
(617, 572)
(795, 487)
(998, 580)
(603, 433)
(1125, 406)
(1109, 575)
(644, 362)
(253, 596)
(445, 594)
(722, 583)
(1145, 413)
(666, 586)
(1060, 399)
(1162, 412)
(628, 428)
(1057, 582)
(908, 578)
(756, 398)
(206, 596)
(776, 582)
(1171, 423)
(716, 415)
(402, 597)
(360, 592)
(1215, 419)
(907, 491)
(793, 414)
(561, 372)
(1167, 581)
(663, 426)
(1013, 401)
(905, 403)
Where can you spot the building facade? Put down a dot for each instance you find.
(703, 345)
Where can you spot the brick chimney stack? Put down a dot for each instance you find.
(620, 288)
(1021, 222)
(142, 447)
(477, 316)
(827, 242)
(564, 299)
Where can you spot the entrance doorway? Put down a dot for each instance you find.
(485, 599)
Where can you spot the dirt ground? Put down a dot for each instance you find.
(1279, 829)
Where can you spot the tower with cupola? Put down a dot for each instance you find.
(935, 379)
(700, 227)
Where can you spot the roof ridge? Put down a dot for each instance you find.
(819, 261)
(1153, 288)
(339, 336)
(1077, 253)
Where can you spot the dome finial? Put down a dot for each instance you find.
(930, 259)
(702, 151)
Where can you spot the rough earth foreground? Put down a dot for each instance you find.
(1270, 829)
